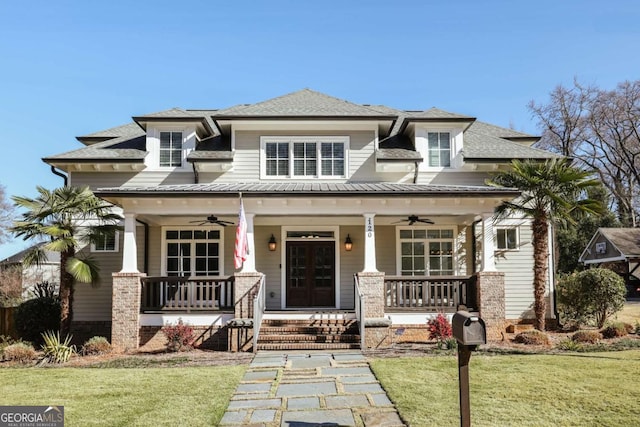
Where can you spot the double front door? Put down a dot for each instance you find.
(310, 274)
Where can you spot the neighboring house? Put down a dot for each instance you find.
(46, 271)
(619, 250)
(364, 214)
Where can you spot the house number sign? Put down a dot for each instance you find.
(369, 227)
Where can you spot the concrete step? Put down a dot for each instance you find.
(322, 330)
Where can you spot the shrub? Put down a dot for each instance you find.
(10, 286)
(532, 337)
(637, 328)
(617, 329)
(19, 352)
(35, 316)
(590, 337)
(96, 345)
(44, 290)
(570, 345)
(590, 295)
(55, 349)
(439, 329)
(179, 336)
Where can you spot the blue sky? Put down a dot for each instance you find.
(71, 68)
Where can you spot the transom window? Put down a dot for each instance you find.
(507, 238)
(105, 242)
(310, 157)
(426, 252)
(439, 144)
(171, 149)
(193, 252)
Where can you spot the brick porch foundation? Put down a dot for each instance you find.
(125, 312)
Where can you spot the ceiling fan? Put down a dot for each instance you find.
(212, 219)
(412, 219)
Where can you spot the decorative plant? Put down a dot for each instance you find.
(96, 345)
(179, 336)
(440, 330)
(19, 352)
(533, 337)
(55, 349)
(590, 337)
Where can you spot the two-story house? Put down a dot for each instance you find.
(372, 217)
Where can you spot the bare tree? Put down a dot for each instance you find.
(600, 129)
(7, 212)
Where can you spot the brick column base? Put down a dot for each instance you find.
(125, 311)
(244, 290)
(491, 302)
(372, 288)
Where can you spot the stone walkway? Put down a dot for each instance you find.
(306, 389)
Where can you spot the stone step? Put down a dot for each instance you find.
(308, 346)
(281, 330)
(347, 338)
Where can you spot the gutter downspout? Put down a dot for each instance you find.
(415, 172)
(146, 246)
(196, 176)
(61, 175)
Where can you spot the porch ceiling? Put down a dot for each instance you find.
(308, 199)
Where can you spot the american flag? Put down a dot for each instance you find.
(241, 250)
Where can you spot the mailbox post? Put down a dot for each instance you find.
(470, 331)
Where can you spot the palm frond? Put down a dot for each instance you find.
(84, 270)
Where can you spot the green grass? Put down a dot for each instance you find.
(595, 389)
(195, 396)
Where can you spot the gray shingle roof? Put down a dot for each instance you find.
(318, 189)
(211, 149)
(52, 257)
(304, 103)
(128, 130)
(479, 146)
(398, 154)
(497, 131)
(124, 148)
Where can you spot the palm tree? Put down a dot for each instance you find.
(552, 192)
(67, 218)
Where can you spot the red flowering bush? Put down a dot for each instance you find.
(179, 336)
(439, 329)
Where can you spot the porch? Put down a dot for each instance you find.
(441, 294)
(249, 325)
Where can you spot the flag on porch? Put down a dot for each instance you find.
(241, 250)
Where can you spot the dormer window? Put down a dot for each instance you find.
(439, 145)
(171, 149)
(304, 157)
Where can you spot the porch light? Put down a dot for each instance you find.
(272, 243)
(348, 244)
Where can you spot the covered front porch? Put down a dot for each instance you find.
(357, 255)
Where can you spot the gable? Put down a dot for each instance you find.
(612, 244)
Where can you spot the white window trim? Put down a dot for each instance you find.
(455, 143)
(453, 239)
(291, 140)
(506, 227)
(115, 249)
(163, 248)
(153, 147)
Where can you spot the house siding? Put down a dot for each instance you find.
(246, 161)
(517, 265)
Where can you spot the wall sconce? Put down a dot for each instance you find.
(348, 244)
(272, 243)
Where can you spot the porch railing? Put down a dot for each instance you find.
(429, 293)
(259, 304)
(360, 308)
(187, 294)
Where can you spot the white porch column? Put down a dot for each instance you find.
(249, 266)
(129, 247)
(488, 247)
(369, 244)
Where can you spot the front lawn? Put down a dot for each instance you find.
(195, 396)
(587, 389)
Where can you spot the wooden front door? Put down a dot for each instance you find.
(311, 274)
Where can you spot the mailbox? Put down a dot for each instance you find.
(468, 329)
